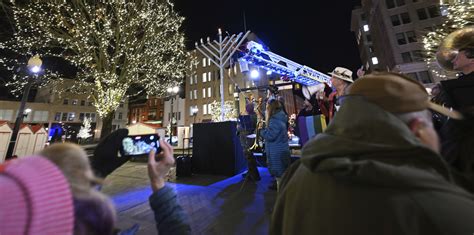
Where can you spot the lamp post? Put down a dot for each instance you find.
(34, 66)
(173, 92)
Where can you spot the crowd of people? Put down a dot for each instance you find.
(58, 191)
(379, 168)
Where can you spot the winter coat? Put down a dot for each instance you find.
(368, 174)
(276, 144)
(169, 216)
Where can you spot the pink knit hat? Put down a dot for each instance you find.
(35, 198)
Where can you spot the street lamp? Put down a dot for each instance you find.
(254, 74)
(173, 91)
(34, 66)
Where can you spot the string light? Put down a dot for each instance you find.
(229, 111)
(114, 45)
(458, 16)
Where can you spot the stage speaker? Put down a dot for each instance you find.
(217, 149)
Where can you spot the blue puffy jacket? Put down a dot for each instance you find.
(276, 144)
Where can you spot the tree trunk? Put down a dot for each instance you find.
(107, 125)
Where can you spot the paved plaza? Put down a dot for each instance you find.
(215, 204)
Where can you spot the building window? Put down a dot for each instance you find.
(121, 116)
(71, 116)
(81, 117)
(57, 117)
(179, 115)
(65, 101)
(406, 57)
(412, 76)
(74, 102)
(209, 76)
(121, 104)
(422, 14)
(366, 28)
(424, 77)
(203, 92)
(375, 60)
(6, 114)
(64, 117)
(411, 36)
(209, 92)
(395, 20)
(89, 103)
(191, 80)
(195, 94)
(417, 55)
(401, 38)
(195, 78)
(93, 117)
(40, 116)
(203, 62)
(231, 89)
(190, 95)
(405, 18)
(434, 11)
(204, 109)
(83, 102)
(204, 77)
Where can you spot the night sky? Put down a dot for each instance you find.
(311, 32)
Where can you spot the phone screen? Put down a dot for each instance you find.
(135, 145)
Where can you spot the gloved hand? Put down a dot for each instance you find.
(108, 154)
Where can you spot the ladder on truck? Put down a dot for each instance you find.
(255, 54)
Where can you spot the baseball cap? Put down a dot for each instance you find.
(35, 198)
(397, 93)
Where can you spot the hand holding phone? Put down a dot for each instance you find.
(157, 170)
(139, 145)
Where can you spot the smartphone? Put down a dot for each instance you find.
(139, 145)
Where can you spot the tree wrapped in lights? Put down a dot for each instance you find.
(114, 44)
(229, 111)
(458, 15)
(85, 131)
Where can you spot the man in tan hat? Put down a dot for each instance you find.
(341, 79)
(375, 170)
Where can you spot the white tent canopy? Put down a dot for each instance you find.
(5, 135)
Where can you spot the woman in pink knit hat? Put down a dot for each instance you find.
(35, 198)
